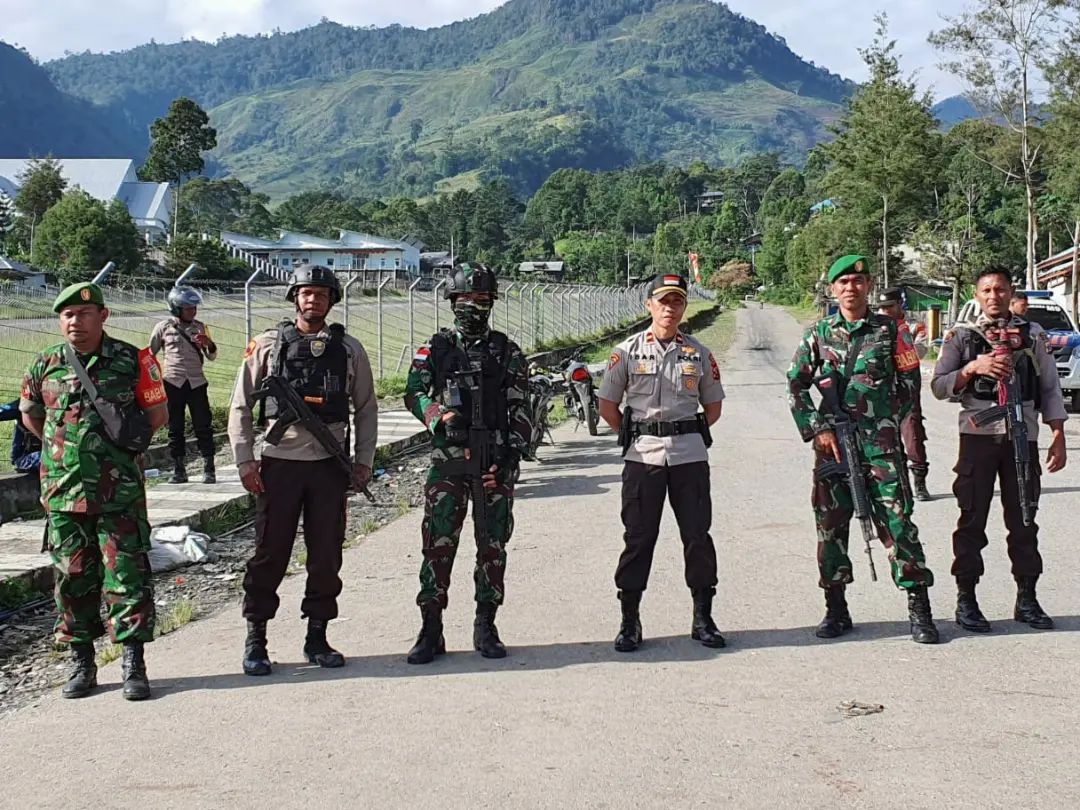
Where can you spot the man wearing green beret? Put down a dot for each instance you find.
(92, 484)
(874, 370)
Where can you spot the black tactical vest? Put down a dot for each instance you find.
(972, 344)
(317, 367)
(493, 354)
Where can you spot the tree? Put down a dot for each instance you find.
(997, 49)
(41, 185)
(79, 235)
(1063, 132)
(885, 156)
(177, 142)
(5, 220)
(211, 255)
(208, 206)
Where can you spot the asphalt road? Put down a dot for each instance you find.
(978, 721)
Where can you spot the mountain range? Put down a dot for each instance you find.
(532, 86)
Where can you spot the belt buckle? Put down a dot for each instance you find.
(665, 429)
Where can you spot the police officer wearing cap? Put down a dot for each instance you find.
(661, 377)
(187, 345)
(890, 303)
(298, 476)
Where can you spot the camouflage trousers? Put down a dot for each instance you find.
(891, 508)
(446, 500)
(96, 553)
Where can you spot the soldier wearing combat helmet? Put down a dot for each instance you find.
(95, 402)
(439, 393)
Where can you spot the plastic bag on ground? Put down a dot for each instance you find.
(174, 546)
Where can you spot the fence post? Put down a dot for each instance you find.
(412, 334)
(191, 268)
(378, 303)
(435, 301)
(247, 302)
(345, 297)
(507, 295)
(104, 271)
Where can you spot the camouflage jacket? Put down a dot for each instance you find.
(881, 388)
(81, 470)
(428, 405)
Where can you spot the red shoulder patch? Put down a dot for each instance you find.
(613, 360)
(906, 358)
(250, 350)
(715, 368)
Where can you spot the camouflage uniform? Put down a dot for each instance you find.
(447, 495)
(881, 387)
(94, 492)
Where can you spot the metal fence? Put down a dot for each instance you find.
(390, 323)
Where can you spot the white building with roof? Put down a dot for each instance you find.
(149, 204)
(350, 251)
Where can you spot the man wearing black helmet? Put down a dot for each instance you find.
(298, 475)
(439, 395)
(187, 346)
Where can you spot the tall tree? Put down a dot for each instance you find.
(5, 220)
(41, 185)
(884, 159)
(213, 205)
(79, 234)
(177, 143)
(996, 47)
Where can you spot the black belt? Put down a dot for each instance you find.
(680, 428)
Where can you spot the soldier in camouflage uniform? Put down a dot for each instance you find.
(878, 377)
(472, 290)
(93, 490)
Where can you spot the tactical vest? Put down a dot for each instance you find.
(447, 358)
(317, 367)
(972, 344)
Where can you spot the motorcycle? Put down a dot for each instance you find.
(541, 391)
(580, 396)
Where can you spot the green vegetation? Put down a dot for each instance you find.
(15, 592)
(531, 87)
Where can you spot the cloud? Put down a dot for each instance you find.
(828, 32)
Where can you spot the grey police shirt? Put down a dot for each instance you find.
(951, 361)
(663, 384)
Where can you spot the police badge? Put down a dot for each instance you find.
(317, 348)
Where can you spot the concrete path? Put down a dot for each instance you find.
(177, 504)
(567, 722)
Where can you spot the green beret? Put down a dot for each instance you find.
(852, 263)
(85, 293)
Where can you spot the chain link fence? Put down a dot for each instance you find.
(390, 322)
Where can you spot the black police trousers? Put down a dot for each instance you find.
(644, 489)
(982, 460)
(316, 490)
(181, 398)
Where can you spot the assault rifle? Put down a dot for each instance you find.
(480, 442)
(293, 410)
(850, 465)
(1011, 409)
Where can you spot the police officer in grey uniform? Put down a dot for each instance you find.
(664, 376)
(298, 476)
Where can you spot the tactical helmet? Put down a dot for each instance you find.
(313, 275)
(471, 277)
(183, 296)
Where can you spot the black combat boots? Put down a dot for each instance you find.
(837, 620)
(209, 475)
(430, 642)
(179, 475)
(968, 614)
(317, 649)
(1028, 609)
(704, 628)
(485, 637)
(629, 638)
(919, 485)
(256, 658)
(136, 684)
(84, 675)
(923, 630)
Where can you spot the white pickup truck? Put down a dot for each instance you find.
(1062, 335)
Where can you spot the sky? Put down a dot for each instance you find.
(827, 32)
